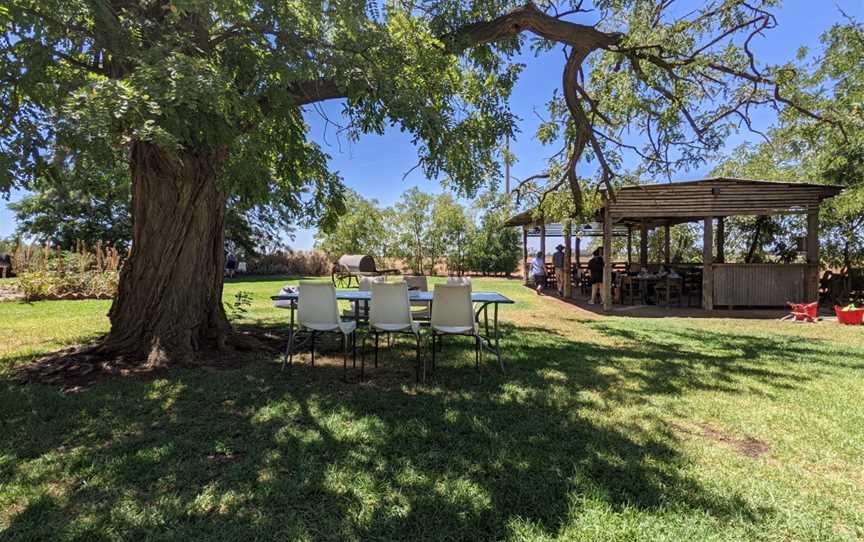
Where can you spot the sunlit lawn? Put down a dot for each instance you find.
(612, 429)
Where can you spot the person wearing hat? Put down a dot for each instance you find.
(558, 262)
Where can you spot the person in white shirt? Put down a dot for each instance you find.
(538, 271)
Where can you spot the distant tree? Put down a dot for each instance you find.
(82, 201)
(360, 230)
(750, 239)
(89, 202)
(493, 247)
(414, 232)
(450, 233)
(832, 79)
(802, 147)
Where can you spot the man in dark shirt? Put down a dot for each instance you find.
(595, 267)
(558, 262)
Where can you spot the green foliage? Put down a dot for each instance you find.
(78, 202)
(416, 241)
(84, 201)
(49, 284)
(226, 78)
(423, 231)
(239, 305)
(45, 273)
(494, 248)
(451, 234)
(803, 148)
(362, 229)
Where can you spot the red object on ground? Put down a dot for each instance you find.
(851, 318)
(804, 312)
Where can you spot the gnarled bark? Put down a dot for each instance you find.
(169, 302)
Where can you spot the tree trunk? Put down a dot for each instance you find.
(754, 241)
(169, 301)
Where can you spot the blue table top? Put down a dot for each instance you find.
(414, 295)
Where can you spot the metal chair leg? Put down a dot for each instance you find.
(345, 357)
(433, 350)
(289, 351)
(354, 349)
(363, 355)
(417, 337)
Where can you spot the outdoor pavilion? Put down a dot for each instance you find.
(645, 207)
(572, 235)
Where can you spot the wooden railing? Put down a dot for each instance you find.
(763, 285)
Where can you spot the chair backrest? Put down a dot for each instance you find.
(451, 305)
(390, 304)
(317, 304)
(364, 284)
(459, 280)
(418, 282)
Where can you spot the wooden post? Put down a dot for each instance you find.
(525, 254)
(643, 243)
(629, 245)
(543, 241)
(708, 265)
(812, 254)
(607, 257)
(567, 255)
(578, 249)
(666, 244)
(721, 240)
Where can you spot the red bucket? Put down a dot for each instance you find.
(849, 318)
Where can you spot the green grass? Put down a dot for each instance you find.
(607, 429)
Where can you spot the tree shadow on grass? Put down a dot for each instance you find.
(257, 453)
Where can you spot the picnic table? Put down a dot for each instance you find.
(653, 280)
(490, 337)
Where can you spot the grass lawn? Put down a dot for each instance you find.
(606, 429)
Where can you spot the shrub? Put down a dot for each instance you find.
(297, 263)
(46, 273)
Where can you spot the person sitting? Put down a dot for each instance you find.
(595, 267)
(538, 271)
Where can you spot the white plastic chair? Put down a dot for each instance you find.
(364, 284)
(419, 283)
(390, 312)
(318, 312)
(459, 280)
(453, 314)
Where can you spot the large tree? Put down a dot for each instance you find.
(206, 97)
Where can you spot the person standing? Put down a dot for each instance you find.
(231, 264)
(538, 270)
(595, 267)
(558, 262)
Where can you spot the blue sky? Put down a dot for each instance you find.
(375, 165)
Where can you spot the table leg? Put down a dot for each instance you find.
(291, 320)
(497, 338)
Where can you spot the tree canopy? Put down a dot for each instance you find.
(802, 148)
